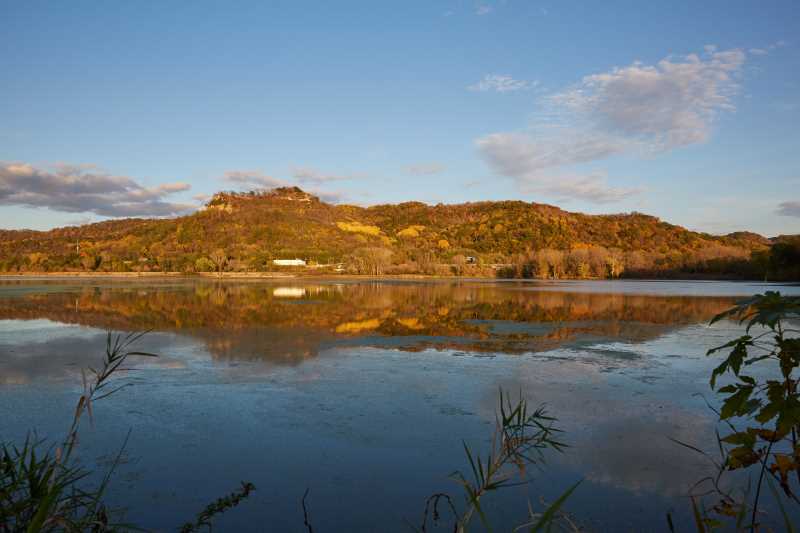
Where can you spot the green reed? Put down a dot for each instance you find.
(519, 441)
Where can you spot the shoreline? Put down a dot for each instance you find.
(237, 276)
(233, 276)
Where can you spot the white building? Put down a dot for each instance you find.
(288, 262)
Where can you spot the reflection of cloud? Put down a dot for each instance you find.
(265, 345)
(618, 439)
(635, 453)
(63, 357)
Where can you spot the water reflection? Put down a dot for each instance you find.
(618, 369)
(288, 324)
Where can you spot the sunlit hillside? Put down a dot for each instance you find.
(248, 231)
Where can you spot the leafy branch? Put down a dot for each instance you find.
(768, 408)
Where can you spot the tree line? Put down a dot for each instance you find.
(246, 232)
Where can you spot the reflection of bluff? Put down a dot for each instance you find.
(285, 324)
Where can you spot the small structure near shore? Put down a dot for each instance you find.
(288, 262)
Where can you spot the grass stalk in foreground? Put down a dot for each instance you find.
(39, 487)
(519, 441)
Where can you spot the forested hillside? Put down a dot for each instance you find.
(246, 231)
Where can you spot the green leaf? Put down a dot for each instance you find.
(741, 457)
(736, 404)
(741, 438)
(550, 513)
(748, 379)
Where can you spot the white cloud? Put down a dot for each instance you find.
(254, 178)
(259, 180)
(316, 177)
(762, 51)
(501, 84)
(85, 189)
(483, 9)
(638, 109)
(331, 197)
(789, 209)
(425, 169)
(533, 165)
(589, 188)
(516, 154)
(670, 104)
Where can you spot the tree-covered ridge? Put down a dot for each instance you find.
(246, 231)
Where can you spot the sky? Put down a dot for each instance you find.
(683, 110)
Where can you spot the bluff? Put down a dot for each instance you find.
(246, 231)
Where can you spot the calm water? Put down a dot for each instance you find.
(363, 392)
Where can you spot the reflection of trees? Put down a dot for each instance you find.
(253, 321)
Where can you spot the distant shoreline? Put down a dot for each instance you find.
(223, 275)
(257, 275)
(308, 276)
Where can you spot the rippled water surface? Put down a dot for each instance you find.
(363, 391)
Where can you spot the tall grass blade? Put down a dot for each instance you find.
(550, 513)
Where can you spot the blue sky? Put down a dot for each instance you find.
(680, 110)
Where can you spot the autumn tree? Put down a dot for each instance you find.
(219, 258)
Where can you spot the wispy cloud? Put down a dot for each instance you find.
(308, 177)
(331, 197)
(789, 209)
(762, 51)
(425, 169)
(534, 165)
(669, 104)
(592, 188)
(85, 189)
(633, 110)
(314, 176)
(501, 84)
(483, 9)
(254, 178)
(515, 154)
